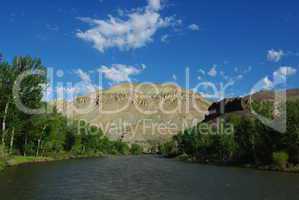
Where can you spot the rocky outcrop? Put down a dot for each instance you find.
(242, 105)
(139, 98)
(224, 106)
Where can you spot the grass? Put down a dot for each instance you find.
(18, 160)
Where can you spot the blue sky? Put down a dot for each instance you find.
(237, 41)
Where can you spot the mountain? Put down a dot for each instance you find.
(146, 114)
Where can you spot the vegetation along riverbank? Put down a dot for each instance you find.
(250, 144)
(49, 136)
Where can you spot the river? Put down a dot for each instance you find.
(141, 178)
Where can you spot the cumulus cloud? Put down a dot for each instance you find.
(283, 72)
(135, 29)
(120, 73)
(154, 4)
(267, 83)
(275, 55)
(193, 27)
(279, 76)
(213, 71)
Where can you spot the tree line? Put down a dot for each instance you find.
(251, 143)
(49, 133)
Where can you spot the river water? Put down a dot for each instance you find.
(142, 177)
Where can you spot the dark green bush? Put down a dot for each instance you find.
(280, 159)
(136, 149)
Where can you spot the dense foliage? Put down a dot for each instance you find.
(47, 134)
(251, 142)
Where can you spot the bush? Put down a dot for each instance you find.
(183, 157)
(169, 149)
(120, 148)
(136, 149)
(77, 149)
(280, 159)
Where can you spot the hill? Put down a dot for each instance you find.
(146, 114)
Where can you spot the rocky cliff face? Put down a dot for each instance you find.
(242, 105)
(145, 114)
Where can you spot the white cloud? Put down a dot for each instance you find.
(194, 27)
(274, 55)
(120, 12)
(86, 85)
(267, 83)
(283, 72)
(279, 76)
(154, 4)
(119, 72)
(213, 71)
(83, 75)
(134, 30)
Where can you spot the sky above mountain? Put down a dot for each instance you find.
(204, 45)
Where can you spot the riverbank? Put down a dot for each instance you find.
(288, 169)
(20, 160)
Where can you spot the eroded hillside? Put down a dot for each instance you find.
(146, 114)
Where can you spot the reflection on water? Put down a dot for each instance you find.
(142, 177)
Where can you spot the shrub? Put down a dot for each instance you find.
(183, 157)
(169, 149)
(120, 148)
(136, 149)
(280, 159)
